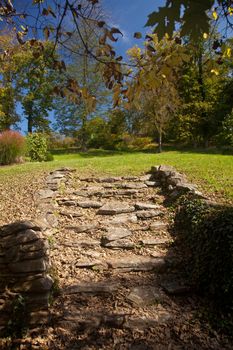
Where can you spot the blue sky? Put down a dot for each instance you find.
(129, 16)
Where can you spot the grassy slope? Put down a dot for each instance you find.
(212, 172)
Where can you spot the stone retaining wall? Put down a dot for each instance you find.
(173, 182)
(25, 283)
(24, 280)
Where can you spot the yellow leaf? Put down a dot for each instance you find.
(230, 10)
(215, 15)
(228, 52)
(205, 35)
(214, 71)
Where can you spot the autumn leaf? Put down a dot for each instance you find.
(137, 35)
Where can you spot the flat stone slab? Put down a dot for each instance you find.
(115, 233)
(145, 295)
(57, 175)
(89, 204)
(67, 202)
(120, 244)
(131, 178)
(114, 192)
(154, 242)
(92, 288)
(114, 208)
(146, 177)
(18, 226)
(132, 185)
(86, 264)
(175, 286)
(45, 194)
(118, 321)
(147, 214)
(145, 206)
(158, 225)
(151, 183)
(144, 322)
(137, 263)
(82, 228)
(124, 219)
(109, 179)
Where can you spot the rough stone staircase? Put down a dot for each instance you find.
(114, 257)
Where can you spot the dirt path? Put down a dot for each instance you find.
(116, 264)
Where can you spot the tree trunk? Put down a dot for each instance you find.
(84, 116)
(160, 142)
(30, 123)
(83, 135)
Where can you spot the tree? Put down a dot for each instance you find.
(152, 88)
(58, 22)
(202, 87)
(159, 107)
(72, 117)
(8, 115)
(35, 81)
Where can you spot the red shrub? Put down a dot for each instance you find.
(12, 145)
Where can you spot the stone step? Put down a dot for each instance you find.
(92, 288)
(71, 214)
(119, 244)
(154, 242)
(114, 208)
(132, 185)
(115, 233)
(119, 321)
(148, 214)
(145, 295)
(89, 204)
(145, 206)
(123, 219)
(137, 263)
(158, 226)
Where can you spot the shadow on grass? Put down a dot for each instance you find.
(91, 153)
(167, 148)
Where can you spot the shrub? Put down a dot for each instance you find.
(131, 142)
(49, 157)
(206, 235)
(12, 146)
(37, 147)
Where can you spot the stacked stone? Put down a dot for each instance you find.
(24, 275)
(44, 199)
(174, 182)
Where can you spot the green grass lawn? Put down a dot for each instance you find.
(212, 172)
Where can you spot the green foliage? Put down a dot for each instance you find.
(226, 136)
(97, 133)
(192, 15)
(16, 327)
(37, 147)
(49, 157)
(134, 143)
(12, 146)
(206, 234)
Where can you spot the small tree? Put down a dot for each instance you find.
(37, 147)
(153, 89)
